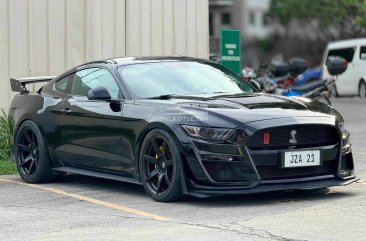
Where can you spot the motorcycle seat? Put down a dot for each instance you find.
(309, 86)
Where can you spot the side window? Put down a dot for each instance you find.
(87, 79)
(346, 53)
(363, 53)
(61, 85)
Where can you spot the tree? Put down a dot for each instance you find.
(329, 19)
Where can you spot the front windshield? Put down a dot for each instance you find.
(182, 78)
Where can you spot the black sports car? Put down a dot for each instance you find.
(177, 126)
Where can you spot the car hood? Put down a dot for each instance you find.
(245, 109)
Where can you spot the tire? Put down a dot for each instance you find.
(362, 89)
(323, 99)
(32, 158)
(159, 164)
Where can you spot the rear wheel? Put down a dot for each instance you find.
(32, 158)
(362, 89)
(159, 167)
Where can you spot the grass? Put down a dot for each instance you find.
(7, 167)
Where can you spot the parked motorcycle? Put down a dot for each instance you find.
(320, 90)
(296, 67)
(308, 76)
(267, 75)
(317, 90)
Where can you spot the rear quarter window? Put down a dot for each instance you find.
(61, 85)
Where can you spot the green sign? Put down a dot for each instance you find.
(231, 50)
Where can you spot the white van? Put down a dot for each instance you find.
(353, 80)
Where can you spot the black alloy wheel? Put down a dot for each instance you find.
(159, 167)
(28, 151)
(31, 154)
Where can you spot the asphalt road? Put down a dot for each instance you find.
(82, 208)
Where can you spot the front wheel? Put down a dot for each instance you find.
(32, 157)
(362, 89)
(159, 167)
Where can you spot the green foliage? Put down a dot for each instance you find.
(329, 12)
(4, 136)
(7, 167)
(348, 17)
(267, 44)
(361, 20)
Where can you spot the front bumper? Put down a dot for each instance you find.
(237, 169)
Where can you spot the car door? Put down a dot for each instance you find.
(92, 129)
(345, 81)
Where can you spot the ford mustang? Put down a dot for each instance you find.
(178, 126)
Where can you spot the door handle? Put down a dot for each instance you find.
(66, 111)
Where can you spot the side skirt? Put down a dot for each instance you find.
(95, 174)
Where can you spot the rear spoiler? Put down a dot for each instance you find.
(18, 85)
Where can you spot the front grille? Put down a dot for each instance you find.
(306, 136)
(221, 171)
(276, 172)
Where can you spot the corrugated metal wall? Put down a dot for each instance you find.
(47, 37)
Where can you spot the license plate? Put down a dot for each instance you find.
(301, 158)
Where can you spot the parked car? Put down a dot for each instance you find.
(353, 80)
(178, 126)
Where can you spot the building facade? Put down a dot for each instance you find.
(47, 37)
(249, 16)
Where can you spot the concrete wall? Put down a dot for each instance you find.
(47, 37)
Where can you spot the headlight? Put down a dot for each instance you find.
(208, 133)
(345, 137)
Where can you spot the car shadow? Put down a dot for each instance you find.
(100, 184)
(274, 197)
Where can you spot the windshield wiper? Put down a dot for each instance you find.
(194, 97)
(174, 96)
(233, 95)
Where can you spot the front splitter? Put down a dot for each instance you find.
(200, 191)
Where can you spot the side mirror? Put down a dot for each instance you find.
(279, 69)
(363, 56)
(336, 65)
(99, 93)
(297, 66)
(255, 83)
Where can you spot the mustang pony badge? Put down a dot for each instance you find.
(293, 137)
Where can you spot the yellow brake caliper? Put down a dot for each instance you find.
(161, 149)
